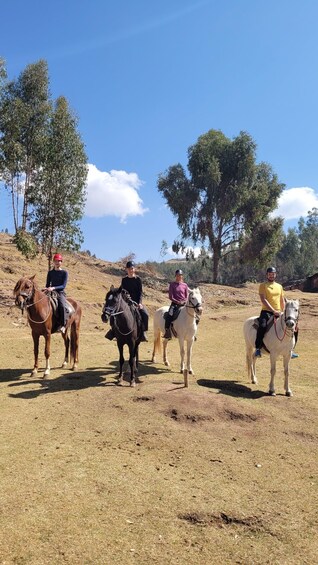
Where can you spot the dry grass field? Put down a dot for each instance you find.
(93, 473)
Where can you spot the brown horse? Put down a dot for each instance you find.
(43, 321)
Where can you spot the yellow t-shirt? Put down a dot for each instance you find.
(272, 292)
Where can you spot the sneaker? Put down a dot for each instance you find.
(110, 335)
(258, 353)
(294, 355)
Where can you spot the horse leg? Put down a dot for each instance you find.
(121, 363)
(132, 364)
(251, 365)
(156, 344)
(47, 352)
(36, 339)
(74, 344)
(288, 390)
(181, 345)
(67, 346)
(189, 356)
(273, 372)
(165, 358)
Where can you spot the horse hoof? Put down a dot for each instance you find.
(272, 393)
(64, 364)
(34, 374)
(191, 372)
(133, 384)
(167, 364)
(289, 393)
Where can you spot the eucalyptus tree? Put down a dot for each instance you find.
(24, 113)
(226, 197)
(59, 191)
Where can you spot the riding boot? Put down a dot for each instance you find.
(110, 334)
(144, 337)
(167, 334)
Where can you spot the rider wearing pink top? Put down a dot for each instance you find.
(178, 294)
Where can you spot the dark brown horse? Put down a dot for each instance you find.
(127, 327)
(43, 321)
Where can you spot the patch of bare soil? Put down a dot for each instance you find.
(95, 473)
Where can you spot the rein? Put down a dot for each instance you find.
(194, 307)
(117, 313)
(285, 329)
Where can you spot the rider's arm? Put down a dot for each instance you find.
(267, 305)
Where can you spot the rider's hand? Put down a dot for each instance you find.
(276, 313)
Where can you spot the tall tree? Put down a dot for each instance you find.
(24, 111)
(226, 196)
(58, 195)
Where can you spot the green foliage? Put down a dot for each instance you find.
(24, 110)
(227, 195)
(58, 194)
(26, 243)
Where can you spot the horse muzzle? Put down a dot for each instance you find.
(199, 309)
(291, 324)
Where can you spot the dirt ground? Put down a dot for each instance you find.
(93, 473)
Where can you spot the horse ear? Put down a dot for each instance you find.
(32, 278)
(112, 287)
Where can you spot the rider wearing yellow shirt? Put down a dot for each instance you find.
(272, 298)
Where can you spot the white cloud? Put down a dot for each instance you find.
(182, 255)
(296, 202)
(113, 194)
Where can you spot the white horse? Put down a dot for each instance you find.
(278, 340)
(186, 328)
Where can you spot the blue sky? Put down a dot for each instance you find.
(147, 78)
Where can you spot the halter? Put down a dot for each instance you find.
(28, 304)
(195, 307)
(112, 312)
(286, 329)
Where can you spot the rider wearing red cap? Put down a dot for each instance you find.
(56, 280)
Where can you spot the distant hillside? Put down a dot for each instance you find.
(90, 278)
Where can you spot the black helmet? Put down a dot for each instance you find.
(271, 270)
(130, 264)
(178, 272)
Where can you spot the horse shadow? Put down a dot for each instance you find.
(232, 388)
(7, 375)
(67, 381)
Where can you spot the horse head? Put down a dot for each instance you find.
(291, 314)
(24, 291)
(111, 301)
(195, 300)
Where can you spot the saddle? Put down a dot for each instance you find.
(69, 310)
(175, 313)
(268, 325)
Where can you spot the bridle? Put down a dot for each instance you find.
(28, 296)
(112, 312)
(286, 329)
(195, 307)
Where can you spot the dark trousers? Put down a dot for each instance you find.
(61, 297)
(263, 319)
(144, 318)
(170, 314)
